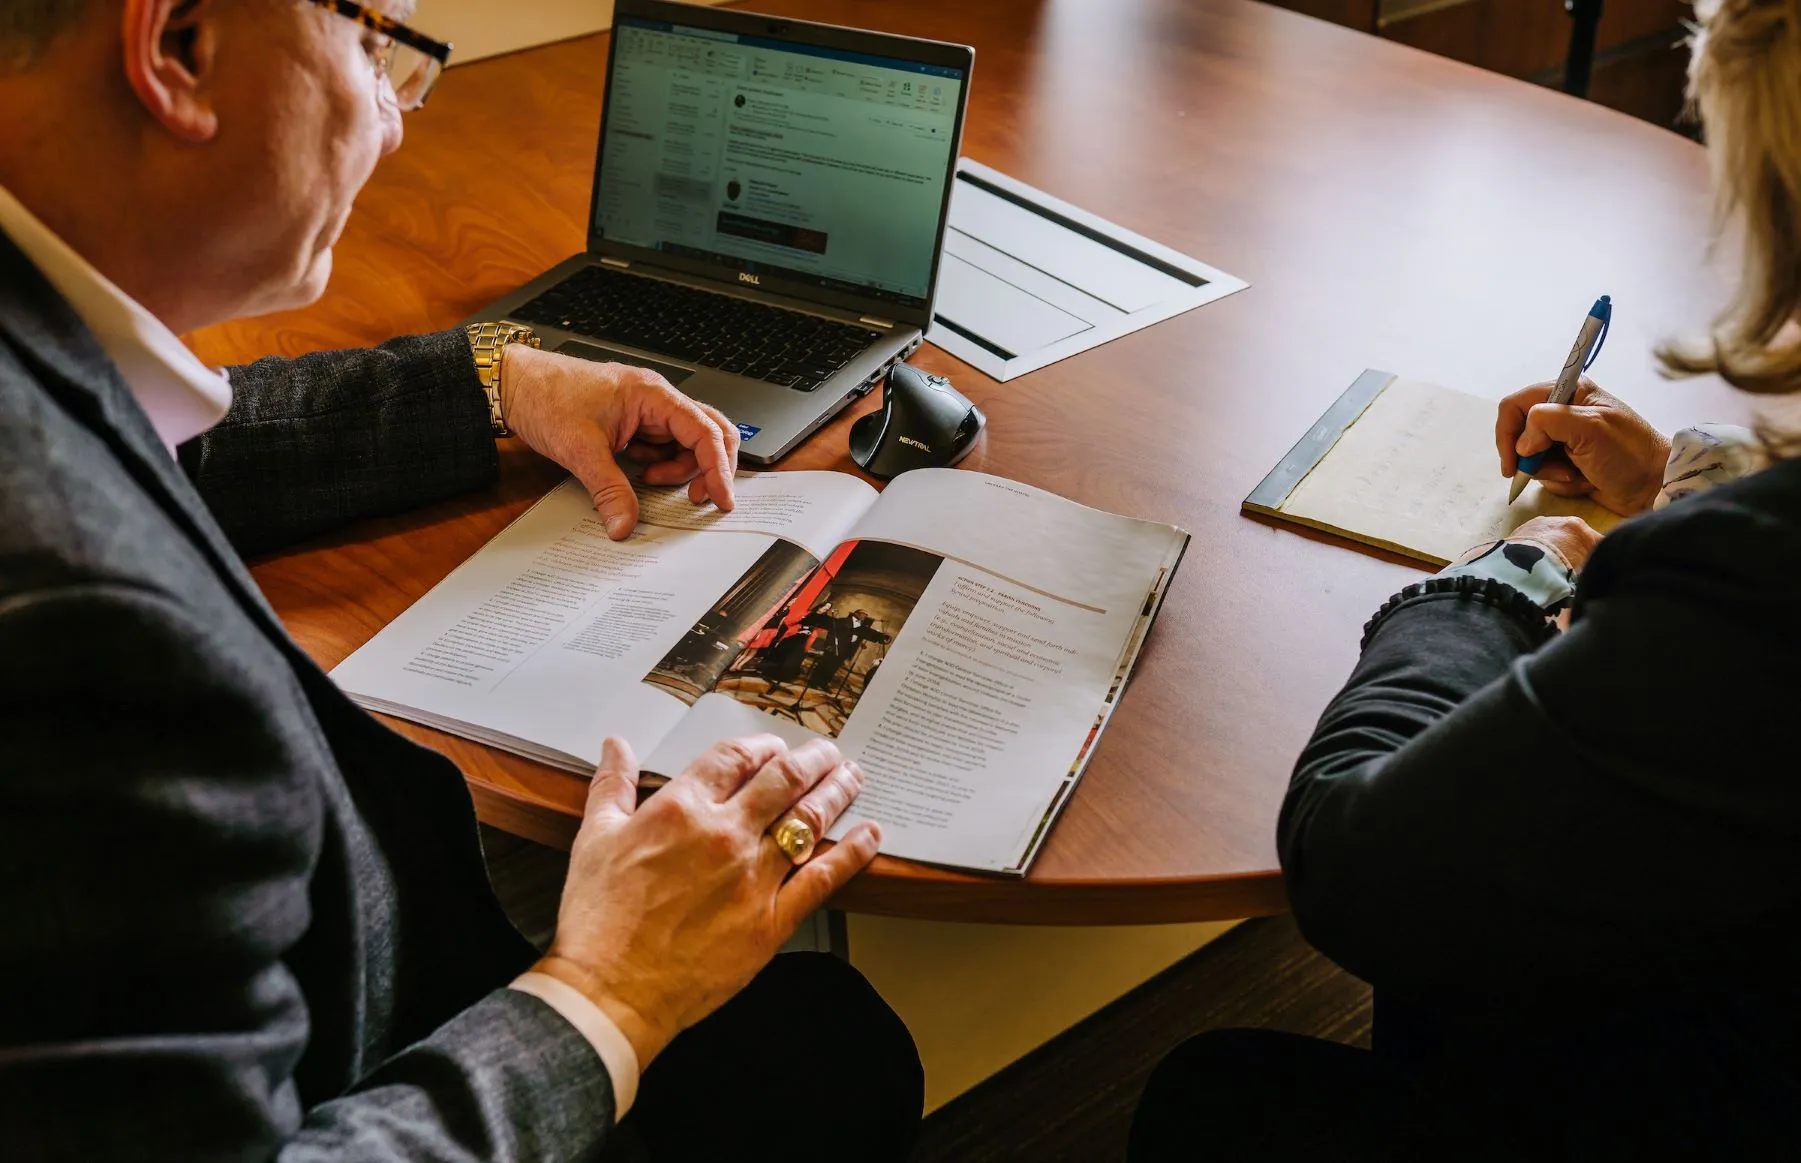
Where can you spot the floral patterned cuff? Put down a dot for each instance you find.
(1708, 455)
(1545, 578)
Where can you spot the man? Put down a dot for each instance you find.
(238, 918)
(843, 635)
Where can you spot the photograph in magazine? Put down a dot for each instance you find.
(713, 644)
(799, 642)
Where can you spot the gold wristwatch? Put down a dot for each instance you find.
(486, 342)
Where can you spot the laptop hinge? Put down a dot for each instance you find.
(884, 324)
(622, 264)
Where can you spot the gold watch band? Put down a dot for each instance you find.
(486, 342)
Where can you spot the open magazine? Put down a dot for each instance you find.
(963, 638)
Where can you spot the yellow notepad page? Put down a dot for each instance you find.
(1417, 473)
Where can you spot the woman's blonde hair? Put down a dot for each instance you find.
(1745, 78)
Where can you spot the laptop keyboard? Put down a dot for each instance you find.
(789, 348)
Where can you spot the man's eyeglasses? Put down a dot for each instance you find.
(410, 60)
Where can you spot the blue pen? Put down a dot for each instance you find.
(1588, 347)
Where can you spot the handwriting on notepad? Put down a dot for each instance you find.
(1418, 471)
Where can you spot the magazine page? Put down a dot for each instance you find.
(1128, 658)
(962, 645)
(542, 641)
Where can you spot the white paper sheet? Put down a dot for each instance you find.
(1028, 279)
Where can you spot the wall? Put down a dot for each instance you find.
(482, 28)
(978, 997)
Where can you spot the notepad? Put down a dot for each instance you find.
(1409, 467)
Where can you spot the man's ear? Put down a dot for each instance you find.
(170, 53)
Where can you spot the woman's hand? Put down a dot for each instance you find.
(1570, 538)
(1609, 451)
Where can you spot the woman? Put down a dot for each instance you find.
(1570, 862)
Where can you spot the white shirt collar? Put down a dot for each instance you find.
(182, 396)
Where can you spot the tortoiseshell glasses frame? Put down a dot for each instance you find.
(410, 61)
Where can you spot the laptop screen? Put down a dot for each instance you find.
(767, 156)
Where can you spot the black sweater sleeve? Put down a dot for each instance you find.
(1480, 820)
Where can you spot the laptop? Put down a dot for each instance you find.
(769, 209)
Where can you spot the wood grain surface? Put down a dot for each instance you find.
(1389, 208)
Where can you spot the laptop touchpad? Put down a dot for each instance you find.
(580, 350)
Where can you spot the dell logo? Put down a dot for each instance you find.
(919, 444)
(747, 277)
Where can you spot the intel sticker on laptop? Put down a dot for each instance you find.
(746, 431)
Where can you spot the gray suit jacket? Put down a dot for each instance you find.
(239, 919)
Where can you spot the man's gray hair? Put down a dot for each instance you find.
(27, 26)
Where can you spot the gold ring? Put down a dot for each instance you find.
(794, 836)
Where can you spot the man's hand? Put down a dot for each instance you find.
(1609, 451)
(582, 414)
(1569, 538)
(671, 908)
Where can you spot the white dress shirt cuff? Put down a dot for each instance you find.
(593, 1024)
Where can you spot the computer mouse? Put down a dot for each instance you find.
(923, 423)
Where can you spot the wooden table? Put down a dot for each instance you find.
(1389, 209)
